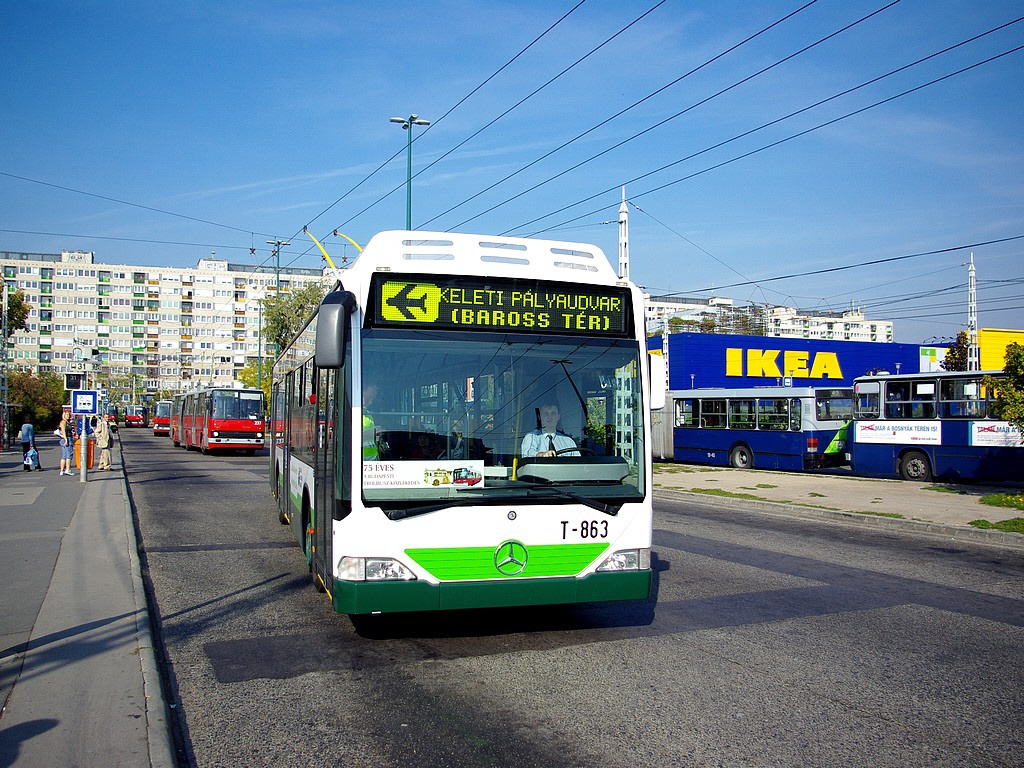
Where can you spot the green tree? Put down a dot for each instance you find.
(956, 355)
(285, 317)
(1010, 391)
(40, 397)
(681, 325)
(17, 312)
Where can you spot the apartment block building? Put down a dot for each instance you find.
(722, 315)
(154, 328)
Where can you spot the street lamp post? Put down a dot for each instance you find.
(407, 124)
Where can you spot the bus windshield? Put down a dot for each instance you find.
(456, 413)
(237, 405)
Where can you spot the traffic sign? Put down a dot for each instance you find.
(84, 401)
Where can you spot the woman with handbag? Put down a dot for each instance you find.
(28, 443)
(67, 447)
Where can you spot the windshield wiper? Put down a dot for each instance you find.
(465, 501)
(600, 506)
(423, 509)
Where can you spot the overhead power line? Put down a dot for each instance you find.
(766, 125)
(451, 109)
(148, 241)
(621, 112)
(505, 113)
(667, 119)
(127, 202)
(873, 262)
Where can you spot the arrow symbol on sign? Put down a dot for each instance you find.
(403, 302)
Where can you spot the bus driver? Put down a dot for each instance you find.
(548, 440)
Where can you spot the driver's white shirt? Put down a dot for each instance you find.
(537, 442)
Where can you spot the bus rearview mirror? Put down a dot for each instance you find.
(332, 327)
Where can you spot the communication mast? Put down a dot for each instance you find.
(4, 411)
(624, 238)
(973, 353)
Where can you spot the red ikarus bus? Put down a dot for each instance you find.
(162, 418)
(222, 418)
(136, 416)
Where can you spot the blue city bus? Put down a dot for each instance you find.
(942, 425)
(794, 428)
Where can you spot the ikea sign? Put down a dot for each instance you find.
(776, 363)
(701, 360)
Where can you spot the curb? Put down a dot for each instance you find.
(955, 532)
(162, 753)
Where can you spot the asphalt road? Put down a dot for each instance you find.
(771, 640)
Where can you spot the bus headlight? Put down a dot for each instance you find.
(627, 560)
(373, 569)
(215, 434)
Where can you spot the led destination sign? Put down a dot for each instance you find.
(469, 303)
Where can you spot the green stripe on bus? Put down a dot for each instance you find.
(475, 563)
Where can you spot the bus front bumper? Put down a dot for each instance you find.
(396, 596)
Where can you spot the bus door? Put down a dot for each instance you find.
(288, 415)
(325, 439)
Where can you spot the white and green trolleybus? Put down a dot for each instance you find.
(401, 411)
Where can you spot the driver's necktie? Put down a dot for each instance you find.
(551, 443)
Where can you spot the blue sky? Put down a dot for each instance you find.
(157, 133)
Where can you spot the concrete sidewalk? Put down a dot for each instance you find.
(88, 692)
(943, 508)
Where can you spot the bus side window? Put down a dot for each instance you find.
(959, 398)
(772, 415)
(741, 414)
(712, 414)
(866, 397)
(897, 399)
(923, 405)
(795, 423)
(686, 413)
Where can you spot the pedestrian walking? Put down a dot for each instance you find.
(102, 432)
(28, 443)
(67, 446)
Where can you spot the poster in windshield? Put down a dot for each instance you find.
(423, 474)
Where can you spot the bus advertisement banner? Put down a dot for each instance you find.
(423, 474)
(1000, 434)
(902, 432)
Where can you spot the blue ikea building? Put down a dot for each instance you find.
(703, 360)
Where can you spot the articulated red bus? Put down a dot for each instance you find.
(174, 423)
(221, 418)
(162, 418)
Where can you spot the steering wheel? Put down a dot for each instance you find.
(577, 449)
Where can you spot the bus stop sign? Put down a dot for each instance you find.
(84, 401)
